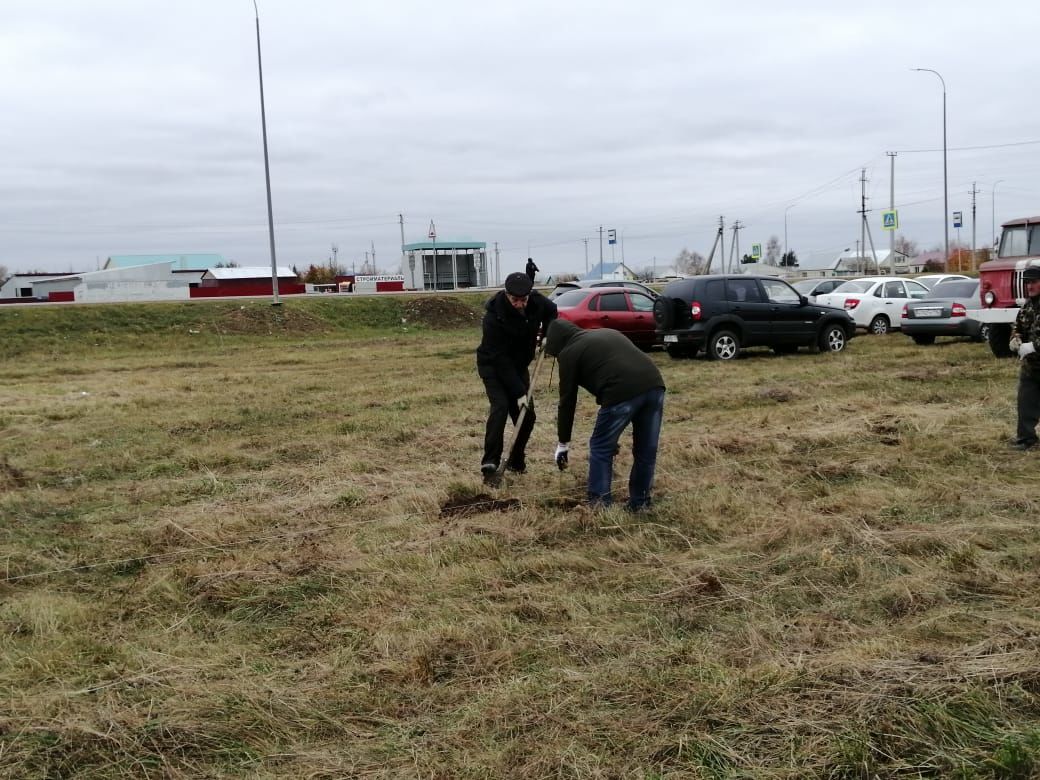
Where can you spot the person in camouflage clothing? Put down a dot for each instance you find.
(1025, 337)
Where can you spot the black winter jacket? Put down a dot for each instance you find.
(509, 337)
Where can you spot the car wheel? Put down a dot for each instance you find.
(983, 333)
(675, 352)
(879, 325)
(923, 339)
(723, 345)
(833, 339)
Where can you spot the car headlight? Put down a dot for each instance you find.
(990, 298)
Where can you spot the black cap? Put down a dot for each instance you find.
(519, 284)
(1031, 273)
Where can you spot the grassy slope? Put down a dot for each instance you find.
(840, 579)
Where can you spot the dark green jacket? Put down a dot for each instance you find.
(602, 361)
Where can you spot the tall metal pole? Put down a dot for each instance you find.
(267, 164)
(946, 189)
(892, 207)
(601, 248)
(974, 192)
(993, 206)
(785, 229)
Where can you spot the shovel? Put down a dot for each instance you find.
(523, 412)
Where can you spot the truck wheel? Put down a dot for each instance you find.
(999, 336)
(983, 333)
(833, 339)
(723, 345)
(879, 325)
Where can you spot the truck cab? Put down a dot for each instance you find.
(1001, 290)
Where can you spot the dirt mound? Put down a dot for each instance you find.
(263, 318)
(440, 313)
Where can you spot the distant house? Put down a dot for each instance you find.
(153, 282)
(19, 287)
(615, 271)
(219, 282)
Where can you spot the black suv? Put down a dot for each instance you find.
(725, 313)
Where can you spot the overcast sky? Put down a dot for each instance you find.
(134, 126)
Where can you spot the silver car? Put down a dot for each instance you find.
(947, 311)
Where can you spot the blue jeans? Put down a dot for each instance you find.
(645, 413)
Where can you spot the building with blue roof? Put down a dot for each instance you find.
(181, 262)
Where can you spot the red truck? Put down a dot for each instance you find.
(1000, 280)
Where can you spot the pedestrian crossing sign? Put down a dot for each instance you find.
(756, 251)
(890, 220)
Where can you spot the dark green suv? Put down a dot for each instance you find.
(723, 314)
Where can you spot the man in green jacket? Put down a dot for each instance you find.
(628, 388)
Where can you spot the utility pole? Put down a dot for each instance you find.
(719, 238)
(974, 192)
(863, 209)
(335, 254)
(600, 247)
(586, 239)
(735, 242)
(498, 268)
(411, 262)
(892, 207)
(374, 257)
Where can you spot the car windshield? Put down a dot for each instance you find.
(571, 298)
(854, 286)
(956, 288)
(806, 285)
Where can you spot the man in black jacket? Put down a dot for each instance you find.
(531, 269)
(628, 388)
(512, 322)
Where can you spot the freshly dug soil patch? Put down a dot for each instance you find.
(472, 505)
(440, 313)
(261, 318)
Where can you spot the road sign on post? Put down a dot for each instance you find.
(957, 219)
(756, 251)
(890, 220)
(611, 236)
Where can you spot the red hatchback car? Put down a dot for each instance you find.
(628, 311)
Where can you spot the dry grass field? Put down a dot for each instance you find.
(253, 542)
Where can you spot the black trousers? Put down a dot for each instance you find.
(1028, 405)
(503, 407)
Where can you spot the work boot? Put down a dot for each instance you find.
(519, 465)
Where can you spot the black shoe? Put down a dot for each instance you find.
(1024, 446)
(488, 468)
(519, 465)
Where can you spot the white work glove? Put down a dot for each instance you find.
(561, 454)
(1026, 350)
(521, 402)
(1014, 344)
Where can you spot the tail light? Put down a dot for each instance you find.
(958, 310)
(905, 313)
(851, 303)
(695, 311)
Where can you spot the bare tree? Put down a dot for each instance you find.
(688, 262)
(3, 274)
(906, 246)
(773, 251)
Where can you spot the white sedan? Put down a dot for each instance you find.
(874, 302)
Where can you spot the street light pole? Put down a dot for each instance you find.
(946, 189)
(785, 229)
(993, 217)
(267, 164)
